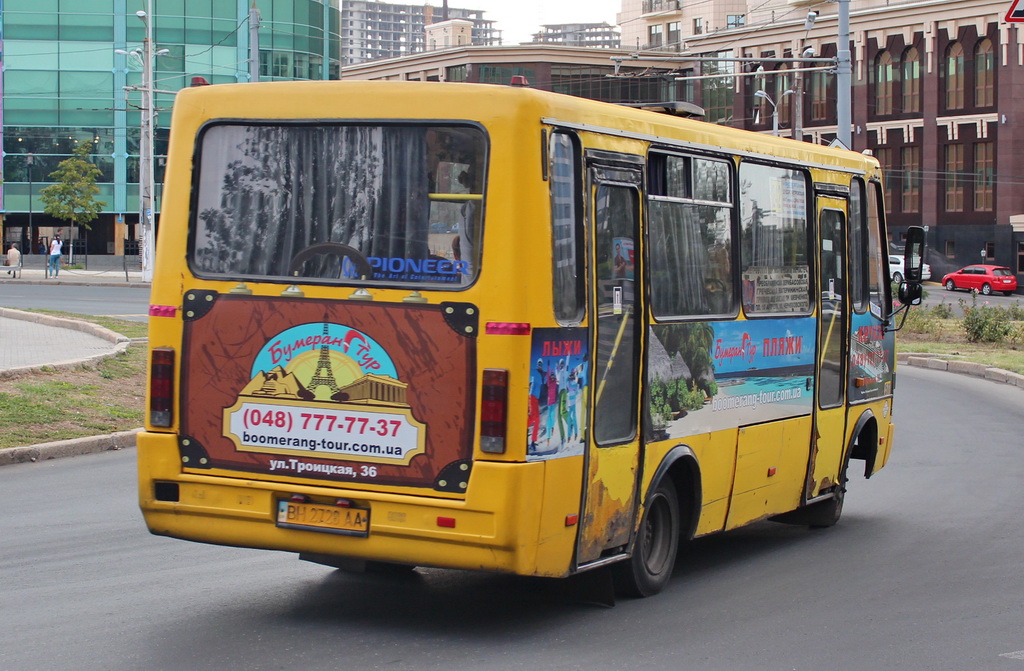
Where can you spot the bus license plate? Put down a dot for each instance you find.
(322, 517)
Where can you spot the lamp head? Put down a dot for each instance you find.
(760, 94)
(809, 52)
(809, 21)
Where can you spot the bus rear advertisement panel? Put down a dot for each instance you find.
(313, 389)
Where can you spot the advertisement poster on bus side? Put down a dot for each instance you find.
(708, 376)
(558, 389)
(872, 358)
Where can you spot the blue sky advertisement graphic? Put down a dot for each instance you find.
(763, 371)
(771, 344)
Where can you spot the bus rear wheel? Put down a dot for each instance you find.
(654, 553)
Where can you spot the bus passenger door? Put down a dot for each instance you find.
(829, 437)
(613, 444)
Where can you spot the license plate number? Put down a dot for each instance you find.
(346, 521)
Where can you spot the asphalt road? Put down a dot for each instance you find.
(936, 294)
(922, 572)
(123, 302)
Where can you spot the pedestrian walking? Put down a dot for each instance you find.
(56, 247)
(13, 258)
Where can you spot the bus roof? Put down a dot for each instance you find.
(489, 104)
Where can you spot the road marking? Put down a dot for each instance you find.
(1014, 655)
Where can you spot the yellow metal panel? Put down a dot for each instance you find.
(609, 512)
(716, 458)
(771, 467)
(563, 483)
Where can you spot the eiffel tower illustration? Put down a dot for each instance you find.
(324, 376)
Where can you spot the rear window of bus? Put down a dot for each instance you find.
(382, 204)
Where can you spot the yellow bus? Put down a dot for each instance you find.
(401, 324)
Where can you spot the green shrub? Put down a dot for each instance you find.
(985, 323)
(943, 310)
(1016, 336)
(923, 321)
(1016, 312)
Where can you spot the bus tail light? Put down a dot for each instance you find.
(493, 411)
(161, 386)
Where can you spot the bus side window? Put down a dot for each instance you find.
(878, 257)
(567, 229)
(775, 228)
(689, 212)
(858, 240)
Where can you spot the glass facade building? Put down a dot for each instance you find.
(68, 72)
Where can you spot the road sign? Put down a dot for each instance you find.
(1016, 12)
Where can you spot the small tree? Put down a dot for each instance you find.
(72, 196)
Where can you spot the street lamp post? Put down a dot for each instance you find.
(147, 188)
(775, 109)
(844, 77)
(30, 160)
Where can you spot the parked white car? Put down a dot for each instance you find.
(896, 269)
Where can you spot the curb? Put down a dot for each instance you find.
(120, 342)
(934, 362)
(84, 283)
(68, 448)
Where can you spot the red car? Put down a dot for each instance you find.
(983, 278)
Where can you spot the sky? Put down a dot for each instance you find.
(519, 19)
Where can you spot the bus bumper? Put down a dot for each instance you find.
(498, 526)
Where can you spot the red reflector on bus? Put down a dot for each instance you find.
(161, 386)
(571, 520)
(448, 522)
(506, 328)
(493, 406)
(162, 310)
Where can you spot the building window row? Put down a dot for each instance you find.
(967, 177)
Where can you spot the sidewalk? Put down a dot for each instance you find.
(31, 341)
(106, 277)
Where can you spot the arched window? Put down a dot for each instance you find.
(911, 81)
(953, 73)
(884, 72)
(985, 74)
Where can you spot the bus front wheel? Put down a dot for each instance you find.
(654, 552)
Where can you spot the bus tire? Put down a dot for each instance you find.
(648, 570)
(825, 514)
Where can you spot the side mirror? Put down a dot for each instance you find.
(910, 294)
(913, 257)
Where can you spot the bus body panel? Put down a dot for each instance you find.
(771, 467)
(512, 511)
